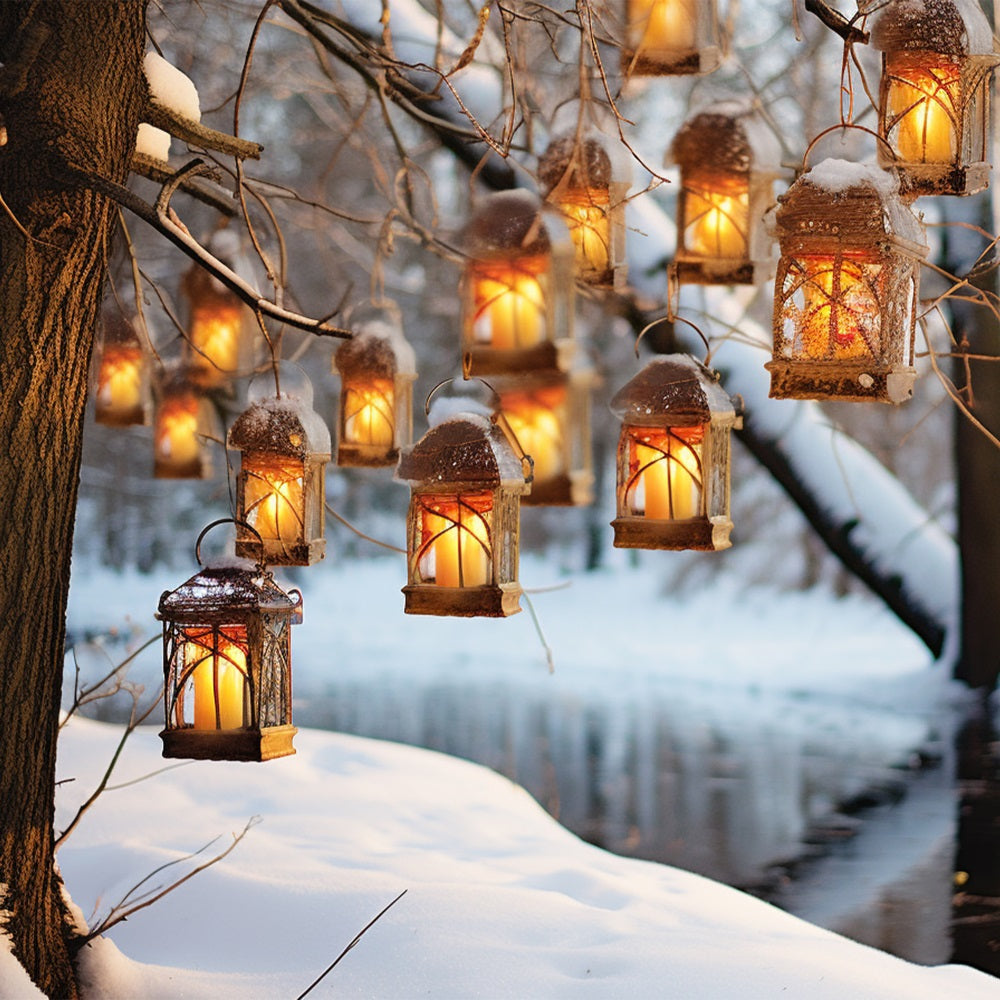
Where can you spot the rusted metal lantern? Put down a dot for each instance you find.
(284, 446)
(463, 524)
(846, 290)
(517, 288)
(670, 37)
(934, 98)
(227, 663)
(673, 458)
(121, 396)
(586, 177)
(728, 162)
(548, 417)
(182, 424)
(377, 368)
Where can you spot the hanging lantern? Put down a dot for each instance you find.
(673, 458)
(227, 663)
(463, 523)
(548, 417)
(280, 490)
(589, 186)
(517, 289)
(670, 37)
(934, 97)
(122, 385)
(728, 162)
(847, 286)
(181, 425)
(377, 368)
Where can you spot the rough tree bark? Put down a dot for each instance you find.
(70, 92)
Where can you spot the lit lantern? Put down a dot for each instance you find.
(181, 425)
(463, 524)
(670, 37)
(517, 289)
(934, 98)
(847, 285)
(280, 490)
(548, 417)
(122, 385)
(377, 368)
(728, 162)
(673, 458)
(227, 664)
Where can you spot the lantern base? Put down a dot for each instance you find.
(548, 355)
(134, 416)
(916, 179)
(670, 62)
(700, 533)
(229, 744)
(276, 554)
(573, 490)
(846, 381)
(195, 469)
(366, 456)
(731, 271)
(490, 601)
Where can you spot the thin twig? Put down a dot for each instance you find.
(361, 534)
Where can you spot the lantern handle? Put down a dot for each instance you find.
(674, 319)
(261, 565)
(845, 125)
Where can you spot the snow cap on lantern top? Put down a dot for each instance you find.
(726, 135)
(952, 27)
(220, 588)
(378, 346)
(672, 391)
(468, 449)
(509, 223)
(585, 150)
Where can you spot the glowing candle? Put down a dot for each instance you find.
(460, 545)
(539, 432)
(369, 414)
(177, 442)
(716, 223)
(510, 308)
(590, 231)
(665, 25)
(924, 103)
(668, 484)
(840, 318)
(215, 336)
(220, 667)
(119, 382)
(273, 503)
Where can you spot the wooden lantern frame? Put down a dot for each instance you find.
(676, 425)
(728, 162)
(234, 621)
(466, 484)
(697, 52)
(937, 66)
(177, 395)
(121, 355)
(377, 369)
(847, 287)
(284, 446)
(518, 280)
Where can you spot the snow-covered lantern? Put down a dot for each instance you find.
(586, 177)
(670, 37)
(728, 160)
(227, 663)
(934, 99)
(377, 368)
(548, 417)
(182, 424)
(463, 523)
(122, 374)
(846, 291)
(284, 446)
(517, 287)
(673, 458)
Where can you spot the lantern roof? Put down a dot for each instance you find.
(676, 391)
(283, 424)
(378, 346)
(953, 27)
(226, 586)
(117, 330)
(727, 135)
(505, 223)
(465, 449)
(574, 163)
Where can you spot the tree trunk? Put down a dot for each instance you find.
(70, 93)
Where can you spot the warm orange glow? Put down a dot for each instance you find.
(215, 337)
(590, 231)
(537, 422)
(663, 25)
(177, 444)
(273, 502)
(456, 536)
(217, 664)
(119, 381)
(716, 222)
(509, 304)
(368, 413)
(840, 318)
(665, 473)
(925, 104)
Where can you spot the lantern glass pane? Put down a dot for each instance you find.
(538, 419)
(273, 500)
(663, 477)
(216, 327)
(662, 26)
(212, 678)
(275, 680)
(454, 547)
(923, 107)
(369, 413)
(587, 217)
(120, 383)
(509, 302)
(716, 216)
(177, 445)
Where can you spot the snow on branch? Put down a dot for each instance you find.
(163, 117)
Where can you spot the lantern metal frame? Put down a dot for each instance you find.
(519, 257)
(120, 348)
(729, 160)
(939, 59)
(236, 603)
(466, 484)
(176, 390)
(699, 54)
(675, 410)
(850, 257)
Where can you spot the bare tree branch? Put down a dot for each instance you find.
(836, 22)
